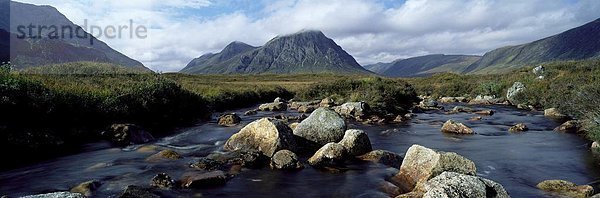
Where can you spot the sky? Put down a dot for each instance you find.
(370, 30)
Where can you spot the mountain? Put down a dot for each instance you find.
(579, 43)
(302, 52)
(424, 65)
(72, 44)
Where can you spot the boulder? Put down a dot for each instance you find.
(203, 180)
(356, 142)
(278, 99)
(554, 113)
(516, 89)
(452, 99)
(296, 105)
(595, 147)
(167, 154)
(306, 109)
(250, 112)
(452, 126)
(566, 189)
(539, 70)
(244, 158)
(387, 158)
(162, 180)
(428, 103)
(137, 192)
(208, 164)
(286, 160)
(126, 134)
(485, 112)
(390, 189)
(321, 127)
(265, 135)
(451, 184)
(274, 106)
(327, 102)
(353, 109)
(86, 188)
(231, 119)
(57, 195)
(421, 164)
(571, 126)
(518, 128)
(485, 100)
(294, 125)
(332, 154)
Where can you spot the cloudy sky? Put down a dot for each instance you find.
(370, 30)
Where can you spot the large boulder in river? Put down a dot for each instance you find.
(516, 89)
(126, 134)
(563, 188)
(167, 154)
(356, 142)
(321, 127)
(332, 154)
(451, 184)
(274, 106)
(230, 119)
(452, 126)
(203, 180)
(286, 160)
(421, 164)
(387, 158)
(571, 126)
(86, 188)
(554, 113)
(265, 135)
(353, 109)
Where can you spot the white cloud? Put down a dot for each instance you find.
(368, 30)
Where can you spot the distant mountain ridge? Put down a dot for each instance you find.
(579, 43)
(33, 52)
(307, 51)
(424, 65)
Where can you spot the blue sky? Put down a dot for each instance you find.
(370, 30)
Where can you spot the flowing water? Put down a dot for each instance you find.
(518, 161)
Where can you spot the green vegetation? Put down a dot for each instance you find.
(84, 68)
(573, 87)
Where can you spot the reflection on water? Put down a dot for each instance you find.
(516, 160)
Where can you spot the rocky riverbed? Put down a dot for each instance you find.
(196, 162)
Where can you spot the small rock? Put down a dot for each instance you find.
(278, 99)
(571, 126)
(332, 154)
(485, 100)
(265, 135)
(485, 112)
(286, 160)
(539, 70)
(321, 127)
(57, 195)
(137, 192)
(565, 188)
(164, 155)
(327, 102)
(231, 119)
(275, 106)
(476, 118)
(306, 109)
(453, 99)
(387, 158)
(207, 164)
(353, 109)
(126, 134)
(456, 127)
(451, 184)
(162, 180)
(202, 180)
(356, 142)
(518, 128)
(245, 158)
(86, 188)
(421, 164)
(554, 113)
(294, 125)
(250, 112)
(595, 147)
(461, 109)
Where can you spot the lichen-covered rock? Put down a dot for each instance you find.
(516, 89)
(554, 113)
(137, 192)
(353, 109)
(265, 135)
(86, 188)
(566, 189)
(321, 127)
(167, 154)
(274, 106)
(126, 134)
(571, 126)
(451, 184)
(332, 154)
(57, 195)
(306, 109)
(286, 160)
(387, 158)
(518, 128)
(231, 119)
(162, 180)
(356, 142)
(421, 164)
(203, 180)
(452, 126)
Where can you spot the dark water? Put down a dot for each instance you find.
(517, 161)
